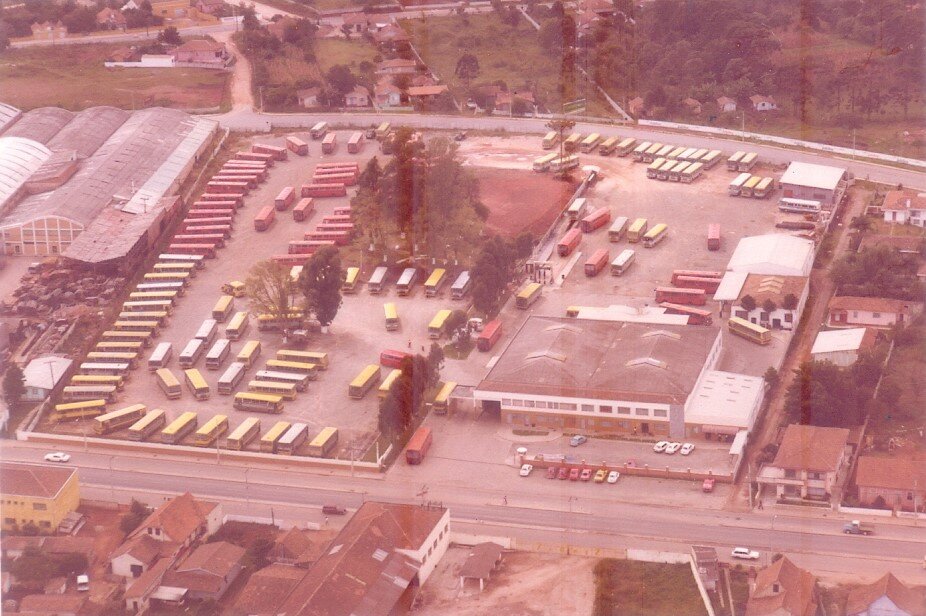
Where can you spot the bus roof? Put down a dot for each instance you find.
(365, 375)
(181, 421)
(276, 431)
(657, 229)
(445, 391)
(293, 432)
(212, 424)
(529, 290)
(322, 437)
(439, 318)
(249, 395)
(435, 277)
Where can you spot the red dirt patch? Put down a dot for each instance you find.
(521, 200)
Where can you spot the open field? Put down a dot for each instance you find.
(73, 77)
(645, 589)
(521, 200)
(331, 51)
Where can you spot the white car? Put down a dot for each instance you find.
(526, 470)
(613, 476)
(745, 554)
(660, 446)
(58, 456)
(687, 448)
(673, 447)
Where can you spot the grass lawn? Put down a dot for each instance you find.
(625, 587)
(329, 52)
(880, 227)
(73, 77)
(906, 368)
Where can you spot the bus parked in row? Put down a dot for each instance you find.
(79, 393)
(230, 379)
(287, 391)
(618, 228)
(319, 358)
(636, 230)
(528, 294)
(210, 432)
(191, 353)
(559, 165)
(568, 242)
(292, 439)
(733, 162)
(608, 145)
(434, 282)
(764, 188)
(377, 281)
(217, 355)
(300, 381)
(196, 384)
(392, 317)
(736, 186)
(597, 262)
(299, 367)
(81, 380)
(268, 442)
(622, 262)
(655, 235)
(145, 427)
(576, 209)
(595, 220)
(207, 331)
(223, 308)
(692, 173)
(550, 140)
(639, 152)
(387, 383)
(626, 146)
(238, 326)
(460, 286)
(116, 420)
(589, 144)
(110, 357)
(179, 428)
(750, 185)
(318, 130)
(241, 437)
(710, 159)
(571, 144)
(78, 410)
(681, 295)
(749, 331)
(678, 275)
(542, 163)
(249, 353)
(364, 382)
(406, 281)
(696, 316)
(258, 403)
(323, 443)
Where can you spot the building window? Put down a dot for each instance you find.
(790, 474)
(517, 402)
(789, 317)
(876, 315)
(529, 404)
(605, 424)
(660, 413)
(742, 314)
(623, 410)
(506, 401)
(623, 424)
(588, 408)
(815, 475)
(606, 409)
(565, 406)
(641, 412)
(39, 506)
(541, 405)
(9, 520)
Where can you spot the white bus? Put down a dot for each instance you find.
(198, 260)
(207, 331)
(618, 228)
(290, 442)
(301, 381)
(564, 164)
(406, 281)
(737, 184)
(799, 206)
(378, 280)
(692, 173)
(104, 369)
(460, 286)
(161, 356)
(576, 209)
(542, 163)
(191, 353)
(231, 378)
(218, 354)
(623, 262)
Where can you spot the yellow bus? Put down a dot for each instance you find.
(153, 315)
(196, 384)
(150, 306)
(154, 296)
(175, 276)
(118, 347)
(549, 140)
(147, 425)
(168, 383)
(301, 381)
(249, 353)
(350, 281)
(237, 326)
(298, 367)
(590, 143)
(223, 308)
(153, 327)
(179, 428)
(241, 437)
(319, 358)
(180, 266)
(572, 142)
(78, 410)
(434, 282)
(101, 357)
(260, 403)
(211, 431)
(386, 385)
(268, 442)
(528, 294)
(364, 382)
(392, 317)
(324, 443)
(637, 230)
(436, 326)
(286, 390)
(113, 336)
(116, 420)
(98, 379)
(749, 331)
(80, 393)
(442, 400)
(655, 235)
(750, 185)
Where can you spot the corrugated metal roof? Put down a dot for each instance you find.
(19, 159)
(89, 130)
(40, 124)
(814, 176)
(838, 340)
(8, 115)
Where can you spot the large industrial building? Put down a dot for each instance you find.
(820, 183)
(94, 186)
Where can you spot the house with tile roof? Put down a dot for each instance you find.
(267, 589)
(784, 589)
(56, 605)
(207, 572)
(386, 94)
(785, 295)
(887, 596)
(905, 208)
(139, 553)
(182, 519)
(808, 464)
(38, 495)
(881, 312)
(726, 104)
(294, 547)
(763, 103)
(900, 483)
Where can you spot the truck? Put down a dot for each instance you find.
(858, 528)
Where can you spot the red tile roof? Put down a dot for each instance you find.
(53, 604)
(145, 549)
(783, 588)
(178, 518)
(201, 45)
(811, 448)
(267, 589)
(911, 601)
(903, 200)
(33, 480)
(148, 582)
(871, 304)
(891, 473)
(427, 90)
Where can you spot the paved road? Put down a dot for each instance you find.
(251, 121)
(547, 513)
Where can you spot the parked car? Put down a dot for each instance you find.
(660, 446)
(526, 470)
(586, 474)
(58, 456)
(577, 440)
(600, 475)
(574, 474)
(613, 476)
(333, 510)
(551, 472)
(687, 448)
(673, 447)
(745, 554)
(707, 485)
(563, 473)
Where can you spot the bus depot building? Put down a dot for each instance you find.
(611, 377)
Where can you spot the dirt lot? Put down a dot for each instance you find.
(73, 77)
(521, 200)
(526, 585)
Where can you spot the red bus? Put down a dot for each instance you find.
(341, 165)
(210, 213)
(346, 228)
(191, 221)
(709, 285)
(202, 238)
(418, 445)
(569, 242)
(297, 146)
(329, 143)
(307, 247)
(303, 209)
(348, 179)
(264, 218)
(277, 152)
(342, 211)
(324, 190)
(246, 165)
(206, 250)
(597, 262)
(595, 220)
(695, 274)
(355, 143)
(285, 198)
(393, 359)
(489, 335)
(291, 260)
(336, 220)
(225, 230)
(227, 187)
(678, 295)
(213, 205)
(267, 159)
(260, 172)
(696, 316)
(249, 180)
(237, 197)
(339, 239)
(713, 237)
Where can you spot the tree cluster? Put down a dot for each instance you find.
(878, 271)
(823, 394)
(491, 273)
(321, 281)
(406, 398)
(271, 289)
(39, 567)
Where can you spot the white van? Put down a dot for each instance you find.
(83, 582)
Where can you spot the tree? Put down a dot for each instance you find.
(769, 306)
(890, 391)
(435, 361)
(748, 302)
(321, 282)
(456, 320)
(822, 394)
(789, 301)
(523, 245)
(771, 376)
(34, 566)
(271, 289)
(467, 67)
(490, 274)
(4, 35)
(395, 411)
(14, 386)
(561, 127)
(136, 515)
(80, 20)
(170, 36)
(341, 79)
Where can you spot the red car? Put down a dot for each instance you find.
(586, 474)
(574, 475)
(563, 473)
(551, 472)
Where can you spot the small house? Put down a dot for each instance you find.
(852, 311)
(48, 30)
(386, 94)
(726, 104)
(842, 346)
(397, 66)
(763, 103)
(210, 7)
(898, 483)
(201, 51)
(693, 105)
(808, 464)
(110, 18)
(358, 97)
(635, 107)
(905, 208)
(308, 97)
